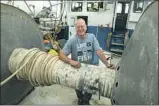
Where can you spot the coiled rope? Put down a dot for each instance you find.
(43, 69)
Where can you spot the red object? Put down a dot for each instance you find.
(46, 41)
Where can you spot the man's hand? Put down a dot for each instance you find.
(75, 64)
(67, 60)
(104, 59)
(111, 66)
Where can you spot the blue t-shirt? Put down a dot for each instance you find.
(82, 50)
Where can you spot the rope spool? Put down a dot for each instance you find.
(43, 69)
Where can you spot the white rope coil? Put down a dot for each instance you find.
(43, 69)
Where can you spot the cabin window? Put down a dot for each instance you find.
(126, 8)
(119, 7)
(92, 6)
(138, 6)
(76, 7)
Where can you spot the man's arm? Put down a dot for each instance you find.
(101, 54)
(104, 59)
(65, 52)
(65, 59)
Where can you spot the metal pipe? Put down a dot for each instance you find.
(28, 7)
(49, 7)
(50, 4)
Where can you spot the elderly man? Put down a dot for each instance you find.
(82, 47)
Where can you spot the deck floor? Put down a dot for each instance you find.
(57, 94)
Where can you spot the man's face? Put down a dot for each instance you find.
(81, 28)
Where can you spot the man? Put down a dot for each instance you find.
(82, 48)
